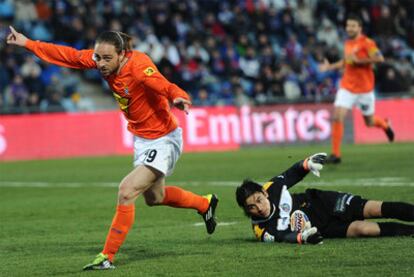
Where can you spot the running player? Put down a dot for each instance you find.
(144, 96)
(357, 84)
(331, 214)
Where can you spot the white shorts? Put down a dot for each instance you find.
(364, 101)
(161, 153)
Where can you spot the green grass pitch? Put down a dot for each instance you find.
(54, 216)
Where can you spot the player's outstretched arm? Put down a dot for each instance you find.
(16, 38)
(326, 66)
(53, 53)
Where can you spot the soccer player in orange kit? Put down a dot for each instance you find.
(357, 84)
(143, 95)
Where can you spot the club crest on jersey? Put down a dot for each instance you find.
(126, 90)
(149, 71)
(285, 207)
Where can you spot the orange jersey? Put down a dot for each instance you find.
(359, 78)
(142, 92)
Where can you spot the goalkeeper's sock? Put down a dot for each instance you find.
(337, 133)
(180, 198)
(380, 122)
(122, 222)
(397, 210)
(392, 229)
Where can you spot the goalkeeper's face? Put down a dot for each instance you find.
(258, 205)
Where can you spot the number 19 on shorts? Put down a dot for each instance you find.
(150, 155)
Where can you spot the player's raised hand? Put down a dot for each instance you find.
(182, 104)
(315, 163)
(16, 38)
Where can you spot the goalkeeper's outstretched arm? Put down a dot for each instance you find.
(299, 170)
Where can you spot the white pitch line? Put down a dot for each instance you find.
(363, 182)
(198, 224)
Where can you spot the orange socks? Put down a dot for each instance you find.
(380, 123)
(125, 215)
(122, 222)
(337, 133)
(179, 198)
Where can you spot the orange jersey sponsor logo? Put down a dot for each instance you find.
(149, 71)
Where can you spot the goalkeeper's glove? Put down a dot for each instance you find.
(315, 163)
(311, 235)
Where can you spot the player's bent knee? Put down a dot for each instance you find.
(126, 192)
(372, 209)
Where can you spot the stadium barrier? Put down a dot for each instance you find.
(43, 136)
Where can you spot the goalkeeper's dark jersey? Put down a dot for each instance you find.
(276, 227)
(330, 211)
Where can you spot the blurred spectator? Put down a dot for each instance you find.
(31, 74)
(25, 14)
(54, 96)
(30, 67)
(384, 24)
(304, 13)
(43, 10)
(291, 85)
(226, 95)
(249, 64)
(40, 32)
(17, 93)
(6, 10)
(196, 51)
(293, 48)
(259, 93)
(391, 82)
(4, 81)
(203, 98)
(328, 34)
(405, 67)
(152, 47)
(240, 98)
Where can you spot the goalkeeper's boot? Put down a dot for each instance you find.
(389, 131)
(101, 262)
(333, 159)
(208, 216)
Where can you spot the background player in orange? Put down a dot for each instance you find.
(144, 96)
(357, 84)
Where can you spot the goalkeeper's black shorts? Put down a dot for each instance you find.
(330, 211)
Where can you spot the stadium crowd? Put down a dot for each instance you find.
(223, 52)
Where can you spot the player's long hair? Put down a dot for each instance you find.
(120, 40)
(247, 188)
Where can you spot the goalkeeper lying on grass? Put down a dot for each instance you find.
(278, 215)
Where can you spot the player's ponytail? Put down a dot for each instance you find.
(120, 40)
